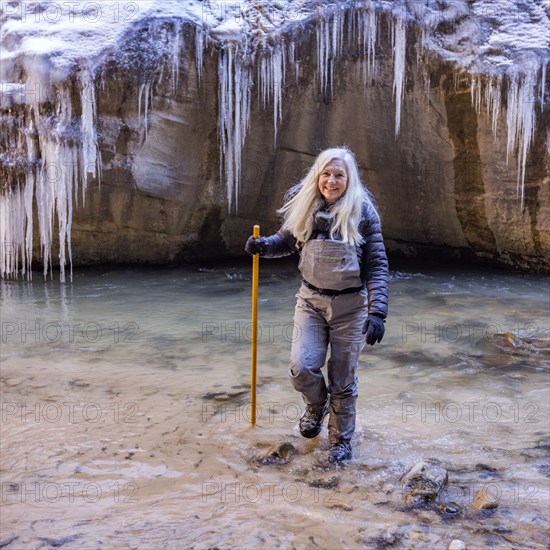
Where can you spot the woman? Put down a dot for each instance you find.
(330, 219)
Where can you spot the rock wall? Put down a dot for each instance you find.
(443, 186)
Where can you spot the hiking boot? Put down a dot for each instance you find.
(339, 452)
(311, 421)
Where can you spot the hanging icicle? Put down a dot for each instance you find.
(16, 231)
(520, 119)
(399, 49)
(146, 91)
(235, 83)
(543, 84)
(175, 54)
(63, 166)
(271, 80)
(368, 22)
(90, 151)
(201, 40)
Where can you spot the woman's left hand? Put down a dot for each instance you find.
(374, 329)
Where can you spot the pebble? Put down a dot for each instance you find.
(457, 545)
(510, 340)
(451, 508)
(483, 500)
(328, 483)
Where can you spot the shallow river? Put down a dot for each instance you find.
(125, 414)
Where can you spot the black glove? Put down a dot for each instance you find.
(374, 328)
(256, 246)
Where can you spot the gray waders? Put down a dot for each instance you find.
(321, 319)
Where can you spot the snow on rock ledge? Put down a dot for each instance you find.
(145, 130)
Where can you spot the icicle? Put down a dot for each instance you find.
(176, 47)
(90, 151)
(29, 191)
(271, 79)
(199, 50)
(294, 62)
(56, 186)
(520, 118)
(543, 83)
(234, 116)
(15, 227)
(292, 53)
(399, 49)
(145, 90)
(139, 100)
(225, 122)
(54, 183)
(475, 93)
(237, 146)
(496, 105)
(323, 40)
(336, 46)
(367, 24)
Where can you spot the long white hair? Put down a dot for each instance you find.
(305, 199)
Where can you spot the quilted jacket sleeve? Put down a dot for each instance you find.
(280, 244)
(374, 266)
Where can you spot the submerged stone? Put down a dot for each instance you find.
(57, 543)
(510, 340)
(484, 500)
(423, 482)
(278, 454)
(224, 395)
(386, 539)
(449, 508)
(330, 482)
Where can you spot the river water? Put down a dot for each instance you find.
(125, 414)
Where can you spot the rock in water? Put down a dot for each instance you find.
(423, 482)
(457, 545)
(278, 454)
(449, 508)
(484, 500)
(327, 483)
(510, 340)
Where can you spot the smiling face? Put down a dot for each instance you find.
(333, 180)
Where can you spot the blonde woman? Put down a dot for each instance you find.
(330, 219)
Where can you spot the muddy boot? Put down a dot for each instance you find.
(312, 420)
(339, 451)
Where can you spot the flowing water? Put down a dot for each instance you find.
(125, 414)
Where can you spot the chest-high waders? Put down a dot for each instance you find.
(332, 307)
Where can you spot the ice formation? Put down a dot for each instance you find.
(66, 155)
(502, 44)
(234, 115)
(399, 47)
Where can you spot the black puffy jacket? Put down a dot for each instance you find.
(371, 254)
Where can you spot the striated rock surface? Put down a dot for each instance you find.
(170, 133)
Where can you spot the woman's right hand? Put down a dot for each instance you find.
(256, 246)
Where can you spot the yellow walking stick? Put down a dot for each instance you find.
(255, 275)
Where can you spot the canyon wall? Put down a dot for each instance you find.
(444, 185)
